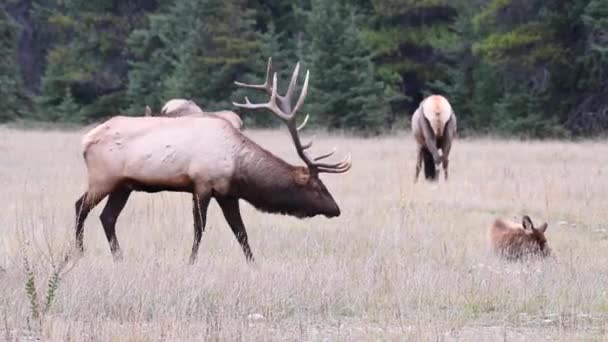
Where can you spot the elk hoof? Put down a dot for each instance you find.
(117, 256)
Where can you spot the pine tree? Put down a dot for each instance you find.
(344, 92)
(196, 49)
(89, 55)
(410, 40)
(515, 40)
(210, 61)
(11, 92)
(68, 109)
(154, 53)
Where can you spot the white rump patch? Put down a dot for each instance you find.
(438, 111)
(180, 107)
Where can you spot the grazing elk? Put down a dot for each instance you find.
(181, 107)
(434, 128)
(208, 157)
(514, 241)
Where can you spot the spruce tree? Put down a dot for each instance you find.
(344, 92)
(11, 93)
(88, 55)
(411, 40)
(153, 56)
(221, 51)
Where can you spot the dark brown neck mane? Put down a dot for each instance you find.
(267, 182)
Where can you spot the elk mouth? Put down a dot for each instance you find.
(333, 212)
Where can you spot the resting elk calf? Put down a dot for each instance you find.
(434, 128)
(514, 241)
(182, 107)
(209, 158)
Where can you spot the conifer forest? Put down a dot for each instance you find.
(530, 68)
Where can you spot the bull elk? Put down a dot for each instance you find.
(514, 241)
(434, 128)
(209, 158)
(182, 107)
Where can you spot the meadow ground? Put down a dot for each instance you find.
(404, 261)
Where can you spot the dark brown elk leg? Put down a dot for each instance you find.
(232, 213)
(418, 164)
(84, 205)
(430, 141)
(199, 211)
(446, 152)
(450, 134)
(116, 202)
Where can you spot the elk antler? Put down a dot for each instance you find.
(281, 107)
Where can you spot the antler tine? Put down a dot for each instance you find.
(340, 167)
(325, 155)
(264, 86)
(292, 83)
(270, 105)
(303, 122)
(302, 94)
(273, 101)
(309, 144)
(341, 170)
(345, 163)
(248, 104)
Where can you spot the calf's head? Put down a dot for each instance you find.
(537, 242)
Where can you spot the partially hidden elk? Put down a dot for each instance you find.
(208, 158)
(515, 241)
(183, 107)
(434, 128)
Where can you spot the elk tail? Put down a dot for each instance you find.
(430, 173)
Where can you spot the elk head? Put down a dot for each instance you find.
(312, 197)
(536, 236)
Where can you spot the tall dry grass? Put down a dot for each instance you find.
(403, 262)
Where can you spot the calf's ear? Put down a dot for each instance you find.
(543, 227)
(526, 222)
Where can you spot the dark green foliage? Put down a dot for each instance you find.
(88, 57)
(196, 50)
(409, 41)
(529, 68)
(209, 62)
(521, 70)
(152, 61)
(344, 92)
(11, 93)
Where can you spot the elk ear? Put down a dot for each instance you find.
(527, 223)
(543, 227)
(301, 176)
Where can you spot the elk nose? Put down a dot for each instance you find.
(334, 211)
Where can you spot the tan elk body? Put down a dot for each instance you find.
(183, 107)
(514, 241)
(207, 157)
(434, 128)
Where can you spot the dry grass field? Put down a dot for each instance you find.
(404, 261)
